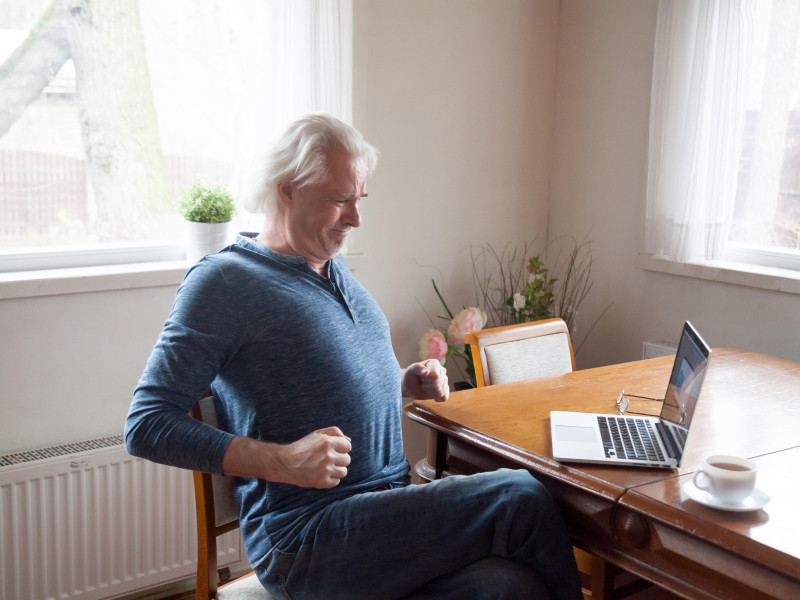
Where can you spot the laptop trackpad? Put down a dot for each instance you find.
(575, 433)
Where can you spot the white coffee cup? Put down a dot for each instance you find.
(729, 479)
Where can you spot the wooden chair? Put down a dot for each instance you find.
(526, 351)
(217, 514)
(523, 351)
(503, 355)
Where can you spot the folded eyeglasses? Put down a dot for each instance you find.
(623, 400)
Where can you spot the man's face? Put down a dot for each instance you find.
(320, 216)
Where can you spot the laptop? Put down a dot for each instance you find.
(638, 440)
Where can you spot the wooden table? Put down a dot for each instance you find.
(639, 519)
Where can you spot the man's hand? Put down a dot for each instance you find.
(318, 460)
(426, 380)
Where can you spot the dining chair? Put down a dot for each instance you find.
(217, 513)
(503, 355)
(539, 349)
(522, 351)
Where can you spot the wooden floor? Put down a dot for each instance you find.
(185, 596)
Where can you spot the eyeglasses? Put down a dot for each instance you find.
(623, 400)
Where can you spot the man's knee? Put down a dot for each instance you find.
(491, 578)
(512, 580)
(517, 485)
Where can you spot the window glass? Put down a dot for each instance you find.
(767, 207)
(108, 112)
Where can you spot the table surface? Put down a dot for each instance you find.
(640, 517)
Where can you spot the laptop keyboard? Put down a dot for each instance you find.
(629, 438)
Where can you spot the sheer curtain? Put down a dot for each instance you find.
(305, 65)
(230, 76)
(697, 120)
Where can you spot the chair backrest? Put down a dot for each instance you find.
(523, 351)
(216, 509)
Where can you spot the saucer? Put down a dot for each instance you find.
(755, 501)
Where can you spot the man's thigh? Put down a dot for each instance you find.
(386, 544)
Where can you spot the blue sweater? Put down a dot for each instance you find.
(286, 352)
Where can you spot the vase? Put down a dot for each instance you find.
(206, 238)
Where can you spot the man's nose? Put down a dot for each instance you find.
(352, 215)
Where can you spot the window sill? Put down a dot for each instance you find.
(736, 273)
(28, 284)
(78, 280)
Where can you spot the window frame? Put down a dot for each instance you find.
(742, 274)
(323, 77)
(89, 255)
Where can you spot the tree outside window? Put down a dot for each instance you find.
(109, 108)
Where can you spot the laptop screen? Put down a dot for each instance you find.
(688, 371)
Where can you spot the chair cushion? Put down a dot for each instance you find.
(529, 358)
(244, 588)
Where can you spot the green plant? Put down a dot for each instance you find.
(207, 204)
(514, 286)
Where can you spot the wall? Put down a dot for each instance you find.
(605, 53)
(458, 95)
(69, 363)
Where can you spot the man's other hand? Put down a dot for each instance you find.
(426, 380)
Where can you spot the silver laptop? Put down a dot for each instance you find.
(638, 440)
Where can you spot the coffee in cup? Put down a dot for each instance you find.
(729, 479)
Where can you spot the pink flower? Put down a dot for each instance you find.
(469, 319)
(433, 345)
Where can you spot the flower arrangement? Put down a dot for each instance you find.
(535, 301)
(512, 286)
(441, 343)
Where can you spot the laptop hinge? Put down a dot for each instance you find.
(668, 439)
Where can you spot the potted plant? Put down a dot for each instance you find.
(208, 210)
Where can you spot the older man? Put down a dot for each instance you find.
(308, 393)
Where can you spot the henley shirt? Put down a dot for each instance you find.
(286, 352)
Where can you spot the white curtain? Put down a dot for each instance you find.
(306, 66)
(230, 76)
(697, 119)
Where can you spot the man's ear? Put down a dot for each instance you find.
(285, 192)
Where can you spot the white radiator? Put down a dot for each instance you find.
(89, 521)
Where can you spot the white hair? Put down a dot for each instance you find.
(299, 157)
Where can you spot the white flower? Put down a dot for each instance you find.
(519, 301)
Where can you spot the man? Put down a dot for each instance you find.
(308, 394)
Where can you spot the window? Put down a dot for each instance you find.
(766, 217)
(111, 110)
(724, 170)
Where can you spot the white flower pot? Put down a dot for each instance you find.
(206, 238)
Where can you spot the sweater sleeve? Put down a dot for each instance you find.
(199, 337)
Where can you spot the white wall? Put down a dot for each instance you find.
(605, 53)
(458, 96)
(69, 363)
